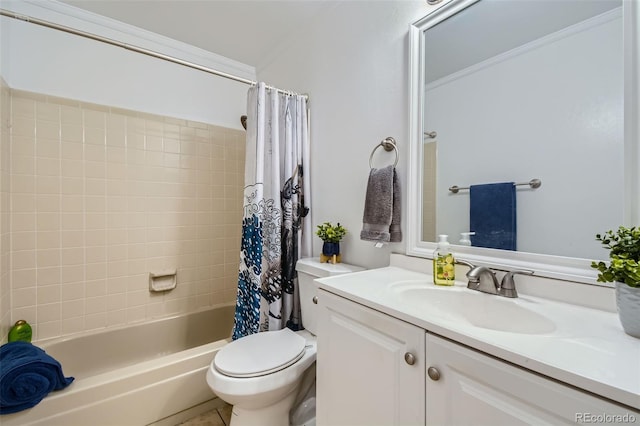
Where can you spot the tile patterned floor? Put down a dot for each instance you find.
(217, 417)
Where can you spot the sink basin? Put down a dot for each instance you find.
(473, 307)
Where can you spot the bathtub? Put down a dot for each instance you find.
(133, 375)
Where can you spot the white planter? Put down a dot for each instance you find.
(628, 302)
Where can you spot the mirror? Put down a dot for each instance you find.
(510, 92)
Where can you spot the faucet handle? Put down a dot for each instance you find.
(508, 285)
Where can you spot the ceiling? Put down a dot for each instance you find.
(243, 30)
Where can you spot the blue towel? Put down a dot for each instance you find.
(493, 215)
(27, 374)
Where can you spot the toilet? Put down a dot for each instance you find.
(263, 375)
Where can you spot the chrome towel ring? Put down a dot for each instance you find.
(388, 144)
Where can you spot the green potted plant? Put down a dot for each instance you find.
(623, 269)
(331, 236)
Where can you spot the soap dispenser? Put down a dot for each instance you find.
(465, 239)
(443, 263)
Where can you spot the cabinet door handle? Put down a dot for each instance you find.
(409, 358)
(315, 300)
(433, 373)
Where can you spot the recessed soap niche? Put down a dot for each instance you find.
(163, 280)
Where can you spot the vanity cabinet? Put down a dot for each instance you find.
(370, 366)
(467, 387)
(374, 369)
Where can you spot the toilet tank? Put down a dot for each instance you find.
(309, 269)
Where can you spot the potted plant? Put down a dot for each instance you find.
(624, 270)
(331, 236)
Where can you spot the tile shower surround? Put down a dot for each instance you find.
(100, 197)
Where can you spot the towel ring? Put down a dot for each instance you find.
(388, 144)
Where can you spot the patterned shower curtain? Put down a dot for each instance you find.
(276, 228)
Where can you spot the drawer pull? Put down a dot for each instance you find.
(409, 358)
(433, 373)
(315, 300)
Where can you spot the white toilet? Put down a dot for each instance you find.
(261, 375)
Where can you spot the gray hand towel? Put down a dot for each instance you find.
(381, 220)
(394, 228)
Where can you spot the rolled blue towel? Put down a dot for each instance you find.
(27, 375)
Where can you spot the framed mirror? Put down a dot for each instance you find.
(506, 91)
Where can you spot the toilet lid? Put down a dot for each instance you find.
(260, 354)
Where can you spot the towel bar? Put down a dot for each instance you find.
(533, 183)
(388, 144)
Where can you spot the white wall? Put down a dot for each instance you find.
(51, 62)
(353, 61)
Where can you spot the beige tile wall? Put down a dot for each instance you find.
(5, 285)
(101, 197)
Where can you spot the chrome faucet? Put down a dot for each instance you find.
(475, 275)
(490, 285)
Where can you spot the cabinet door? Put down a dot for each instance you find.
(476, 389)
(362, 375)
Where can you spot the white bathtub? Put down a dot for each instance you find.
(132, 376)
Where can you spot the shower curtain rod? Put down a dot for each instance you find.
(136, 49)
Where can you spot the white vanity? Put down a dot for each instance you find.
(393, 349)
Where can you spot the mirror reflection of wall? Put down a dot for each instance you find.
(430, 166)
(523, 90)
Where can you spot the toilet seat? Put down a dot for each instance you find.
(260, 354)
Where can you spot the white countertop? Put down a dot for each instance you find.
(588, 348)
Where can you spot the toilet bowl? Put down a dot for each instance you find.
(261, 374)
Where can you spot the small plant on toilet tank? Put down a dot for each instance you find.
(331, 236)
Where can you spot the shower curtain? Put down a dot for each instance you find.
(276, 228)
